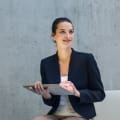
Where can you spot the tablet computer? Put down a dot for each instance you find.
(55, 89)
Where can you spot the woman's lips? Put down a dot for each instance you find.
(67, 40)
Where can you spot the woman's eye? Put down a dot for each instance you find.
(71, 31)
(62, 31)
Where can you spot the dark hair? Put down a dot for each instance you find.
(57, 21)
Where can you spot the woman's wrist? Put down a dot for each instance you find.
(77, 93)
(48, 96)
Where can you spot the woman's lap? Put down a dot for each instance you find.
(74, 118)
(52, 117)
(46, 117)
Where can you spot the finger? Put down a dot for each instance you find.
(31, 88)
(42, 90)
(67, 83)
(71, 83)
(62, 84)
(35, 85)
(45, 92)
(38, 87)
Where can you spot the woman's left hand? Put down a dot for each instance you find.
(68, 85)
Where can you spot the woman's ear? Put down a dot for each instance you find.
(52, 35)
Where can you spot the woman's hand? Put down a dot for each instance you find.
(41, 90)
(68, 85)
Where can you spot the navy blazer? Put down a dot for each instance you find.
(84, 73)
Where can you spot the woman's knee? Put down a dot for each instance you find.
(40, 118)
(45, 117)
(74, 118)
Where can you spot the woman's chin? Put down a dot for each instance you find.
(67, 44)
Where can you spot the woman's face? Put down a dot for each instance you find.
(64, 35)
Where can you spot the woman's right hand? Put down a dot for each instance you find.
(41, 90)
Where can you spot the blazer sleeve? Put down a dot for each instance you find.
(95, 91)
(49, 102)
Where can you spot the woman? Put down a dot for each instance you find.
(77, 72)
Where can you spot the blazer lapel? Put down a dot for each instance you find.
(71, 66)
(56, 69)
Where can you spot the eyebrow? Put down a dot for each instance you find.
(61, 29)
(64, 29)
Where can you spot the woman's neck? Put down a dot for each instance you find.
(64, 54)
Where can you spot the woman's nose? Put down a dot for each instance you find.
(67, 35)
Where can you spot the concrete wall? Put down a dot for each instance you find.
(25, 28)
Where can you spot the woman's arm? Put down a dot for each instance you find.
(95, 91)
(53, 98)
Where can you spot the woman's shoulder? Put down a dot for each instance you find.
(83, 54)
(48, 58)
